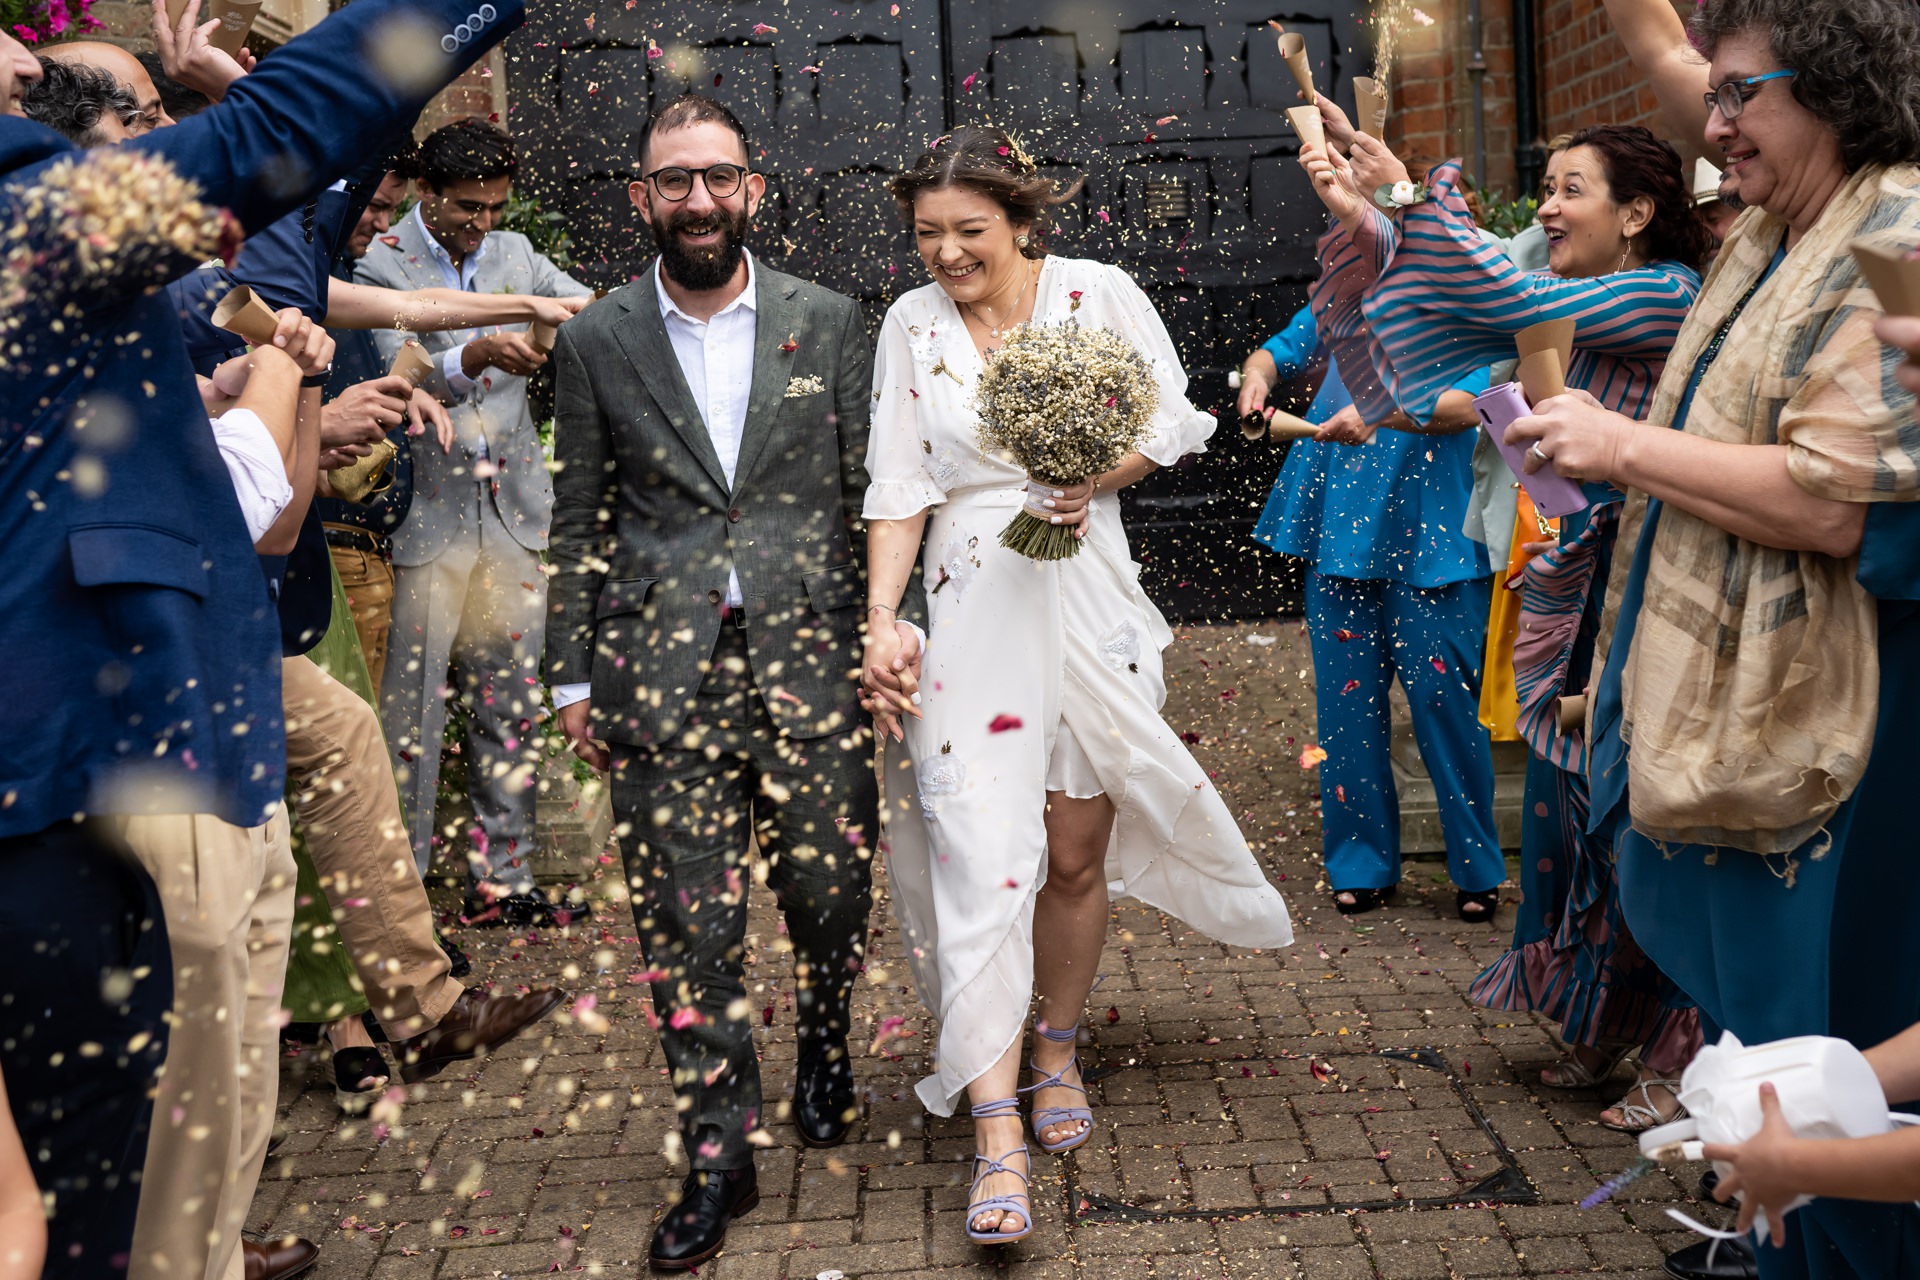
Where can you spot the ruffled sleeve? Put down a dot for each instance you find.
(1178, 428)
(900, 486)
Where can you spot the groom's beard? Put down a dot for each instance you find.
(706, 266)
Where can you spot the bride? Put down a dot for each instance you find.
(1039, 775)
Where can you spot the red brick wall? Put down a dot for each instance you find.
(1583, 77)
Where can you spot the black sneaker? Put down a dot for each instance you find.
(458, 964)
(530, 910)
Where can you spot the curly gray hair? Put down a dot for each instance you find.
(1858, 63)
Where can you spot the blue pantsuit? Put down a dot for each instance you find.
(1393, 588)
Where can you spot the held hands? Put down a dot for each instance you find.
(1061, 504)
(576, 720)
(187, 54)
(1763, 1170)
(890, 674)
(1345, 427)
(1582, 439)
(508, 352)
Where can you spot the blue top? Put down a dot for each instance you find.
(1387, 511)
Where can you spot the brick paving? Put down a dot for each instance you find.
(1243, 1096)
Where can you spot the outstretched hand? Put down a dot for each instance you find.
(1345, 427)
(187, 53)
(1333, 182)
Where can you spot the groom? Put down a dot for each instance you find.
(710, 427)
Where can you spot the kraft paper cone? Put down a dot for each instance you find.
(1554, 335)
(1370, 105)
(542, 335)
(1542, 375)
(1307, 123)
(1572, 713)
(361, 480)
(412, 363)
(1894, 277)
(177, 7)
(1285, 426)
(243, 313)
(236, 19)
(1294, 49)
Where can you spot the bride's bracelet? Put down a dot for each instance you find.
(889, 608)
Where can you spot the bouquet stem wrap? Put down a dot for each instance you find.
(1067, 403)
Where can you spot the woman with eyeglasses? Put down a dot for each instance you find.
(1760, 675)
(1413, 303)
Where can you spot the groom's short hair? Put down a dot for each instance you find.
(690, 109)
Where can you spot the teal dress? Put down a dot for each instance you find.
(1836, 952)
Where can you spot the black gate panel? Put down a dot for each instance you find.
(1175, 125)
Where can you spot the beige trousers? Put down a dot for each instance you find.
(227, 894)
(368, 580)
(349, 810)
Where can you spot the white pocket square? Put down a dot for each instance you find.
(811, 385)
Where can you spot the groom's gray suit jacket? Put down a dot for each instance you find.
(645, 525)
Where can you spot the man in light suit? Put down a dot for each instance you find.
(711, 430)
(469, 595)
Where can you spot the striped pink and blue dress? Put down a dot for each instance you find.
(1408, 310)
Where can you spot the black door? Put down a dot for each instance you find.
(1175, 125)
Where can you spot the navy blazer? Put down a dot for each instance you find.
(141, 654)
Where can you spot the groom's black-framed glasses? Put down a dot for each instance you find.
(676, 183)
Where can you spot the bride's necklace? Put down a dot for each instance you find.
(994, 329)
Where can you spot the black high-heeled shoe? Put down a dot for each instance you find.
(1364, 900)
(351, 1067)
(1477, 908)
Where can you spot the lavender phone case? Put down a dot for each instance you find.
(1553, 494)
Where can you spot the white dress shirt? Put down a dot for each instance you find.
(452, 277)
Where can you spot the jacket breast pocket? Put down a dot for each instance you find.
(137, 555)
(832, 588)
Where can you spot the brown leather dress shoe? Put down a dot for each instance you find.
(280, 1259)
(476, 1023)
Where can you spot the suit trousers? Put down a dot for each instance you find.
(349, 811)
(1363, 633)
(368, 580)
(227, 893)
(695, 810)
(468, 624)
(83, 951)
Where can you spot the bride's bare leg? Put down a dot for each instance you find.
(1069, 930)
(994, 1137)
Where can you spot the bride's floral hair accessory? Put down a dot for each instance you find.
(991, 161)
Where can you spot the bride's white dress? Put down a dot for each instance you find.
(1038, 676)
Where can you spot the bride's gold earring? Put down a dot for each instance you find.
(1626, 253)
(1022, 241)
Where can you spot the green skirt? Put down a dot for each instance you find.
(321, 983)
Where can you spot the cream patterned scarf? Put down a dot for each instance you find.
(1750, 692)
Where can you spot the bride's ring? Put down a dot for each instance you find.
(1533, 451)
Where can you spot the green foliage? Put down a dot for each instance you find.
(547, 231)
(1507, 218)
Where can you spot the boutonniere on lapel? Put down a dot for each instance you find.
(789, 346)
(811, 385)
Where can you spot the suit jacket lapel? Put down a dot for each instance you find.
(776, 327)
(417, 262)
(643, 336)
